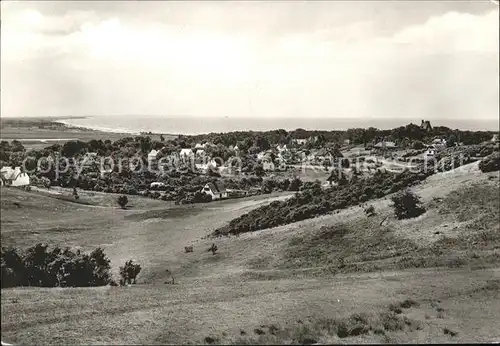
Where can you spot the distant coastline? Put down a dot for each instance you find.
(135, 125)
(67, 124)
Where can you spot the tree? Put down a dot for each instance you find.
(262, 143)
(129, 272)
(295, 184)
(122, 201)
(418, 145)
(72, 148)
(337, 176)
(259, 170)
(16, 146)
(407, 205)
(451, 141)
(345, 163)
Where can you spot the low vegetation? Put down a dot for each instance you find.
(37, 266)
(407, 205)
(129, 272)
(327, 329)
(122, 201)
(314, 201)
(490, 163)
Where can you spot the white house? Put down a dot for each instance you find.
(216, 190)
(261, 155)
(385, 144)
(281, 148)
(439, 143)
(186, 153)
(268, 165)
(494, 138)
(152, 155)
(199, 146)
(156, 185)
(300, 141)
(13, 177)
(430, 153)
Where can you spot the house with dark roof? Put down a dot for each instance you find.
(426, 125)
(216, 190)
(13, 177)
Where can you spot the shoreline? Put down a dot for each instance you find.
(102, 129)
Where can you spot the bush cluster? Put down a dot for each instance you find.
(312, 202)
(407, 205)
(37, 266)
(490, 163)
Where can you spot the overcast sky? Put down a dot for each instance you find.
(412, 59)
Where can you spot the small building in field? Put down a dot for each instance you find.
(13, 177)
(157, 185)
(385, 144)
(216, 190)
(300, 141)
(186, 153)
(152, 155)
(430, 153)
(268, 165)
(439, 143)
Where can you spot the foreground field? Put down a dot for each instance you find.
(339, 278)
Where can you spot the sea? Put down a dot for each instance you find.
(200, 125)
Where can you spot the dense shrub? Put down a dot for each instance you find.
(418, 145)
(407, 205)
(64, 268)
(490, 163)
(122, 201)
(295, 184)
(370, 211)
(312, 202)
(129, 272)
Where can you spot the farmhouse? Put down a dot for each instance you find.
(13, 177)
(216, 190)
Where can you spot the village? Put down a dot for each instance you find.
(310, 159)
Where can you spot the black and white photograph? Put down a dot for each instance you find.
(249, 172)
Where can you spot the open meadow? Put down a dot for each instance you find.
(338, 278)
